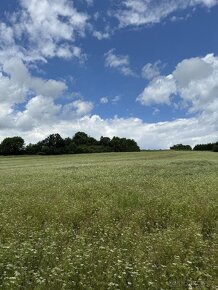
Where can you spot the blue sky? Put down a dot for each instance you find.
(140, 69)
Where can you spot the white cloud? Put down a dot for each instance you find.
(16, 87)
(39, 110)
(43, 116)
(150, 136)
(159, 91)
(112, 100)
(119, 62)
(194, 80)
(76, 110)
(82, 108)
(197, 83)
(144, 12)
(50, 28)
(116, 99)
(150, 71)
(104, 100)
(11, 92)
(20, 77)
(105, 34)
(6, 35)
(101, 35)
(190, 70)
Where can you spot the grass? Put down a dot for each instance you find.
(109, 221)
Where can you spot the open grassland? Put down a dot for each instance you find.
(109, 221)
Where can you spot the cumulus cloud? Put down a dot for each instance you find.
(42, 115)
(81, 108)
(145, 12)
(200, 91)
(39, 110)
(158, 91)
(11, 92)
(37, 96)
(50, 27)
(18, 77)
(194, 80)
(118, 62)
(149, 136)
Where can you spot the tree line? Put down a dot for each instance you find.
(199, 147)
(80, 143)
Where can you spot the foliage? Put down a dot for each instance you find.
(12, 146)
(109, 221)
(81, 138)
(181, 147)
(80, 143)
(204, 147)
(215, 147)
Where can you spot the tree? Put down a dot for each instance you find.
(12, 146)
(215, 147)
(69, 146)
(53, 144)
(124, 145)
(181, 147)
(80, 143)
(105, 141)
(81, 138)
(204, 147)
(54, 140)
(33, 148)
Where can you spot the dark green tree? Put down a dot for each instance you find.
(53, 144)
(105, 141)
(204, 147)
(215, 147)
(181, 147)
(54, 140)
(124, 145)
(70, 146)
(81, 138)
(12, 146)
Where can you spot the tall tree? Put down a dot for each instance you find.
(12, 146)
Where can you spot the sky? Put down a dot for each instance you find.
(140, 69)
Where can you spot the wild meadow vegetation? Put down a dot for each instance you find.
(143, 220)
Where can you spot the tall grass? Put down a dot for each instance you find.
(109, 221)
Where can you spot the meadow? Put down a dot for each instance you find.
(146, 220)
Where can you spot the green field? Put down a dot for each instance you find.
(109, 221)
